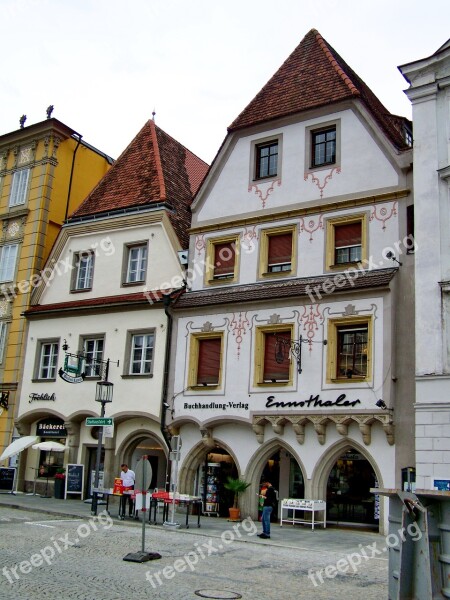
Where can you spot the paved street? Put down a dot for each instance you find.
(54, 557)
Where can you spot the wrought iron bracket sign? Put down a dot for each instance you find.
(75, 365)
(284, 346)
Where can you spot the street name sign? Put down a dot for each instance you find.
(99, 421)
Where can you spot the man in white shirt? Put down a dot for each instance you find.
(128, 477)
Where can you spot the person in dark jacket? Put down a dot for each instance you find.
(270, 499)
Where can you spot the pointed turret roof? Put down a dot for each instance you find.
(153, 169)
(313, 76)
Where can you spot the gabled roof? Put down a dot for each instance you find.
(314, 75)
(154, 169)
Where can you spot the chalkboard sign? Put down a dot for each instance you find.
(74, 479)
(7, 476)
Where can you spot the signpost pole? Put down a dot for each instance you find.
(97, 465)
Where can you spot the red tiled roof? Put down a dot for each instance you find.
(154, 168)
(149, 297)
(285, 289)
(314, 75)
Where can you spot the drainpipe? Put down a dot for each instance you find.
(71, 175)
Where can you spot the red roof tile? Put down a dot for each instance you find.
(154, 168)
(314, 75)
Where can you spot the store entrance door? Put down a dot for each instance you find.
(348, 491)
(211, 477)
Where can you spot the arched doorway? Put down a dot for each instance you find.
(348, 491)
(149, 446)
(285, 474)
(215, 467)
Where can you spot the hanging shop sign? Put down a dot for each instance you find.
(312, 402)
(73, 369)
(51, 428)
(41, 398)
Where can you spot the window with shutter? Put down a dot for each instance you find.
(224, 260)
(347, 242)
(276, 368)
(208, 370)
(279, 253)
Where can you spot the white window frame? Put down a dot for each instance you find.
(136, 274)
(19, 187)
(148, 336)
(96, 354)
(84, 274)
(48, 372)
(8, 264)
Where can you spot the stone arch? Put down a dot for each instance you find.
(124, 453)
(187, 472)
(324, 464)
(255, 466)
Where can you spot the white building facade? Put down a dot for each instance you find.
(101, 301)
(429, 92)
(290, 359)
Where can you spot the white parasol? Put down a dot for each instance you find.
(18, 445)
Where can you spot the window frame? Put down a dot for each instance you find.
(330, 253)
(255, 147)
(210, 279)
(128, 362)
(128, 248)
(4, 279)
(194, 351)
(334, 325)
(95, 354)
(259, 357)
(313, 130)
(265, 235)
(19, 190)
(39, 356)
(3, 338)
(77, 259)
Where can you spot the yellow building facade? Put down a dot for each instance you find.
(46, 171)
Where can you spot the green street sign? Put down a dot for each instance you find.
(99, 421)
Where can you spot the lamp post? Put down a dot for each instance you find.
(103, 394)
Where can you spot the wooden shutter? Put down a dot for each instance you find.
(347, 235)
(280, 249)
(274, 371)
(224, 259)
(208, 361)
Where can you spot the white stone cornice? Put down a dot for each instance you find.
(423, 93)
(444, 173)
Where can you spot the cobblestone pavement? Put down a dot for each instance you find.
(52, 557)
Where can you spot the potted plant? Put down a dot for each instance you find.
(237, 486)
(60, 480)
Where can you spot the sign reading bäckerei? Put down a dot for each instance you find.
(312, 402)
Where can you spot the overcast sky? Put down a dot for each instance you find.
(106, 65)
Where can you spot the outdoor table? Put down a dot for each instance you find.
(181, 500)
(311, 506)
(122, 500)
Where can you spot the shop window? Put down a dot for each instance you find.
(47, 360)
(51, 463)
(8, 259)
(19, 187)
(273, 363)
(84, 271)
(139, 354)
(205, 360)
(135, 263)
(346, 241)
(349, 349)
(277, 251)
(222, 260)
